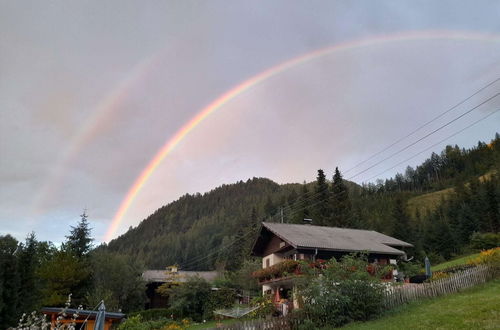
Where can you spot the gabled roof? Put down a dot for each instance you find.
(161, 275)
(334, 239)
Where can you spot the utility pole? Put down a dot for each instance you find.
(281, 211)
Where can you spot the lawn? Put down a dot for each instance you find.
(455, 262)
(475, 308)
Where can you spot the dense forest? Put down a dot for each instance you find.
(217, 229)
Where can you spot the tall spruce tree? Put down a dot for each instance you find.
(341, 204)
(79, 244)
(28, 263)
(321, 204)
(80, 240)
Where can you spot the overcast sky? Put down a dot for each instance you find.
(91, 90)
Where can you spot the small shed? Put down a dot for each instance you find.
(155, 278)
(54, 312)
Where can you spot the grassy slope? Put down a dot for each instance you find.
(476, 308)
(455, 262)
(427, 202)
(430, 201)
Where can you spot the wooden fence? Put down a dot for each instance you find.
(284, 323)
(398, 295)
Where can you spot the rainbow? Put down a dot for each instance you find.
(231, 94)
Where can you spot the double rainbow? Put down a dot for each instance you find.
(231, 94)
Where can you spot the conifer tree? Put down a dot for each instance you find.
(79, 240)
(341, 204)
(321, 208)
(28, 262)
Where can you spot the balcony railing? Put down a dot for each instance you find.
(284, 269)
(289, 268)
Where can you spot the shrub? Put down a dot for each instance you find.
(137, 323)
(265, 304)
(221, 298)
(344, 292)
(410, 269)
(153, 314)
(190, 299)
(489, 257)
(307, 325)
(485, 241)
(436, 276)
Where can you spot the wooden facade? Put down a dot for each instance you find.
(85, 319)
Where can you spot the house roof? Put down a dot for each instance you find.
(335, 239)
(161, 275)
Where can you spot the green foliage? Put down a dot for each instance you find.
(191, 299)
(118, 279)
(138, 323)
(341, 203)
(242, 278)
(345, 292)
(402, 227)
(307, 325)
(265, 304)
(196, 225)
(62, 275)
(79, 241)
(485, 241)
(218, 299)
(410, 269)
(152, 314)
(322, 211)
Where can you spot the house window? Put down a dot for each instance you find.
(268, 261)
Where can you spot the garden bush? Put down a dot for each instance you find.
(485, 241)
(489, 257)
(344, 292)
(137, 323)
(153, 314)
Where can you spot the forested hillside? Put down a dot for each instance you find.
(216, 229)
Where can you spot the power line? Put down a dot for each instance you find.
(422, 126)
(314, 195)
(214, 252)
(435, 144)
(424, 137)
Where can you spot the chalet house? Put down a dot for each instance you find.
(155, 278)
(278, 242)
